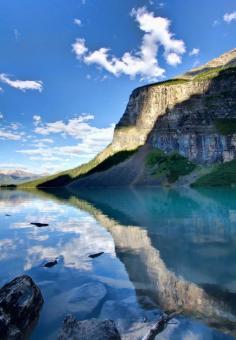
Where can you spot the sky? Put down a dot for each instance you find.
(67, 68)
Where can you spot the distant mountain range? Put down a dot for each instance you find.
(16, 176)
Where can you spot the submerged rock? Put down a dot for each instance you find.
(40, 225)
(132, 322)
(88, 330)
(20, 303)
(92, 256)
(81, 300)
(50, 264)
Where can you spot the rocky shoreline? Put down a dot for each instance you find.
(20, 304)
(21, 301)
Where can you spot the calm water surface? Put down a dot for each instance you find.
(163, 250)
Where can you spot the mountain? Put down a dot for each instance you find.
(179, 131)
(15, 176)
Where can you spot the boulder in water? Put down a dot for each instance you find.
(88, 329)
(20, 303)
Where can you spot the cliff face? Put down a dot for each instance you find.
(193, 115)
(193, 127)
(185, 115)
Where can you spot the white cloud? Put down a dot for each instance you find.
(228, 17)
(73, 128)
(11, 131)
(10, 135)
(76, 141)
(42, 142)
(173, 59)
(158, 4)
(45, 140)
(22, 85)
(195, 51)
(90, 140)
(144, 62)
(37, 119)
(77, 22)
(15, 126)
(79, 48)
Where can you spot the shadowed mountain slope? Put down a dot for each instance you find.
(193, 116)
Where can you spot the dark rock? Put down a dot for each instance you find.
(40, 225)
(50, 264)
(20, 303)
(96, 255)
(7, 215)
(88, 329)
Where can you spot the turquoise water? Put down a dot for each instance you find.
(163, 250)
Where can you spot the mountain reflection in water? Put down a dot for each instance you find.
(175, 245)
(178, 246)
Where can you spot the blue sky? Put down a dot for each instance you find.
(67, 68)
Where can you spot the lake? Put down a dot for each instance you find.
(164, 249)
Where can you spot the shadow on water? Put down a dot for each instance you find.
(178, 246)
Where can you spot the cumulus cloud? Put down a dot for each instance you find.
(11, 132)
(74, 141)
(74, 127)
(4, 134)
(79, 48)
(90, 139)
(173, 59)
(144, 62)
(195, 51)
(228, 17)
(22, 85)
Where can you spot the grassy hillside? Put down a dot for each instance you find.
(64, 178)
(222, 175)
(171, 165)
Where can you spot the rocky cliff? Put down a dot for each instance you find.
(193, 116)
(185, 115)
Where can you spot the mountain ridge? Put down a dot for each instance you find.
(182, 116)
(15, 176)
